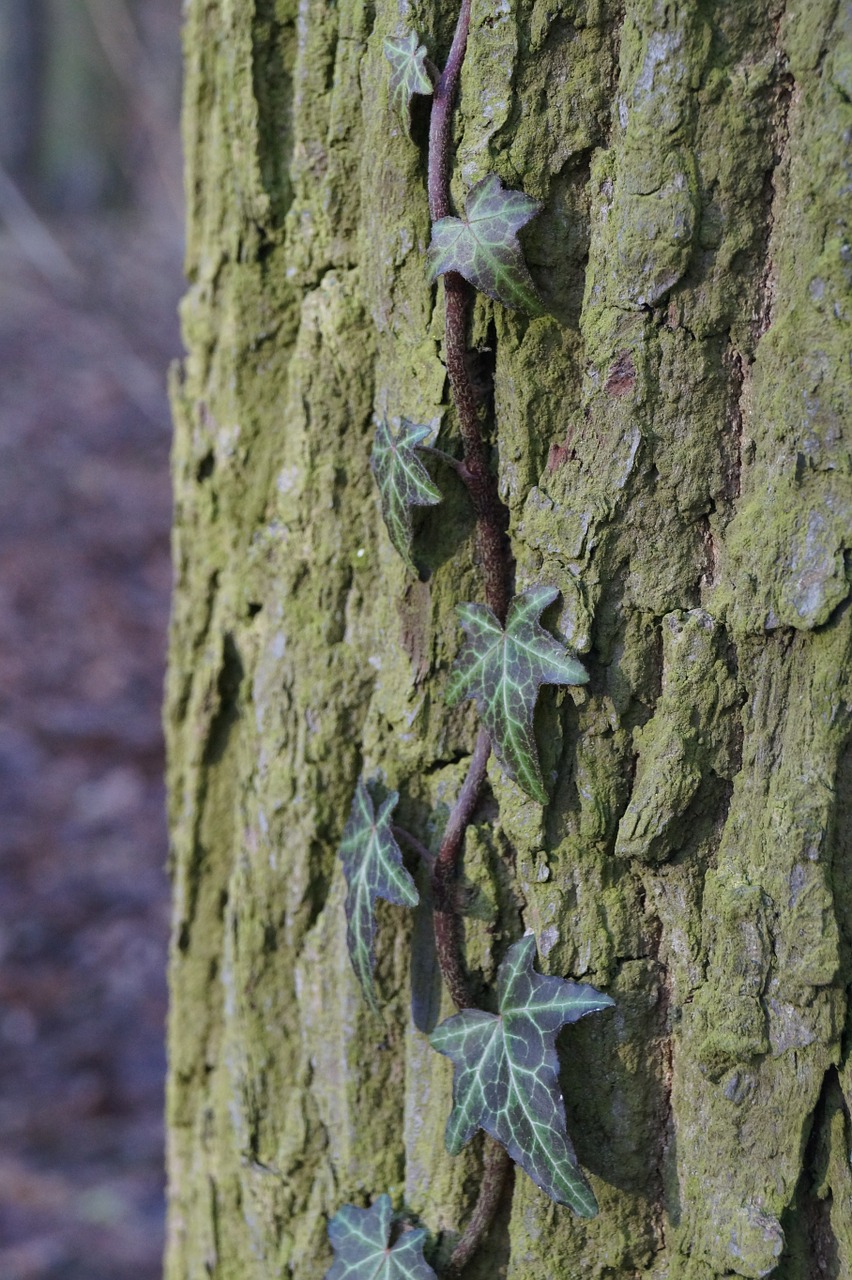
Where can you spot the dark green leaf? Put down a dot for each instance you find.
(483, 245)
(372, 864)
(506, 1078)
(408, 73)
(360, 1238)
(503, 671)
(403, 480)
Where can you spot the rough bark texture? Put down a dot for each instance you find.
(671, 450)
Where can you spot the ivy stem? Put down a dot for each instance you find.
(440, 120)
(495, 562)
(496, 1164)
(448, 927)
(476, 473)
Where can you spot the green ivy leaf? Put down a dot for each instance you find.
(403, 480)
(506, 1077)
(483, 245)
(503, 671)
(372, 864)
(408, 73)
(360, 1239)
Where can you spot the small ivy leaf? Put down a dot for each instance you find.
(408, 73)
(403, 480)
(506, 1077)
(483, 245)
(372, 864)
(503, 670)
(360, 1239)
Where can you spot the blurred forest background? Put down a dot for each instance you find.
(90, 276)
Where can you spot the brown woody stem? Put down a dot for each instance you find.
(440, 121)
(448, 926)
(496, 1164)
(495, 561)
(476, 474)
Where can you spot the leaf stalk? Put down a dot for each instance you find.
(405, 837)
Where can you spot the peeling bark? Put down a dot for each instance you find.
(673, 445)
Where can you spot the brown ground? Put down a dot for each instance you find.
(84, 582)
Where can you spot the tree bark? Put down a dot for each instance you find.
(670, 446)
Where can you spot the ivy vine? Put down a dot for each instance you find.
(506, 1078)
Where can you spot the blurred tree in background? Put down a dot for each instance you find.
(21, 48)
(88, 91)
(90, 274)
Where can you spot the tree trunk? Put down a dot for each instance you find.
(670, 447)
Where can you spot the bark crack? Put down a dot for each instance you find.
(773, 194)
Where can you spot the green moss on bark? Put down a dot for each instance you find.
(674, 454)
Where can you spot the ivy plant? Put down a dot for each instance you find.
(507, 1073)
(483, 245)
(402, 479)
(502, 669)
(408, 75)
(506, 1076)
(360, 1239)
(372, 864)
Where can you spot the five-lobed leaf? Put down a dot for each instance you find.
(506, 1073)
(360, 1239)
(408, 73)
(403, 480)
(503, 671)
(372, 864)
(483, 245)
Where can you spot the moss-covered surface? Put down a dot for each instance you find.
(672, 453)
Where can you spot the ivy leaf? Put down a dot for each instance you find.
(506, 1077)
(372, 864)
(483, 245)
(503, 670)
(403, 480)
(408, 73)
(360, 1240)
